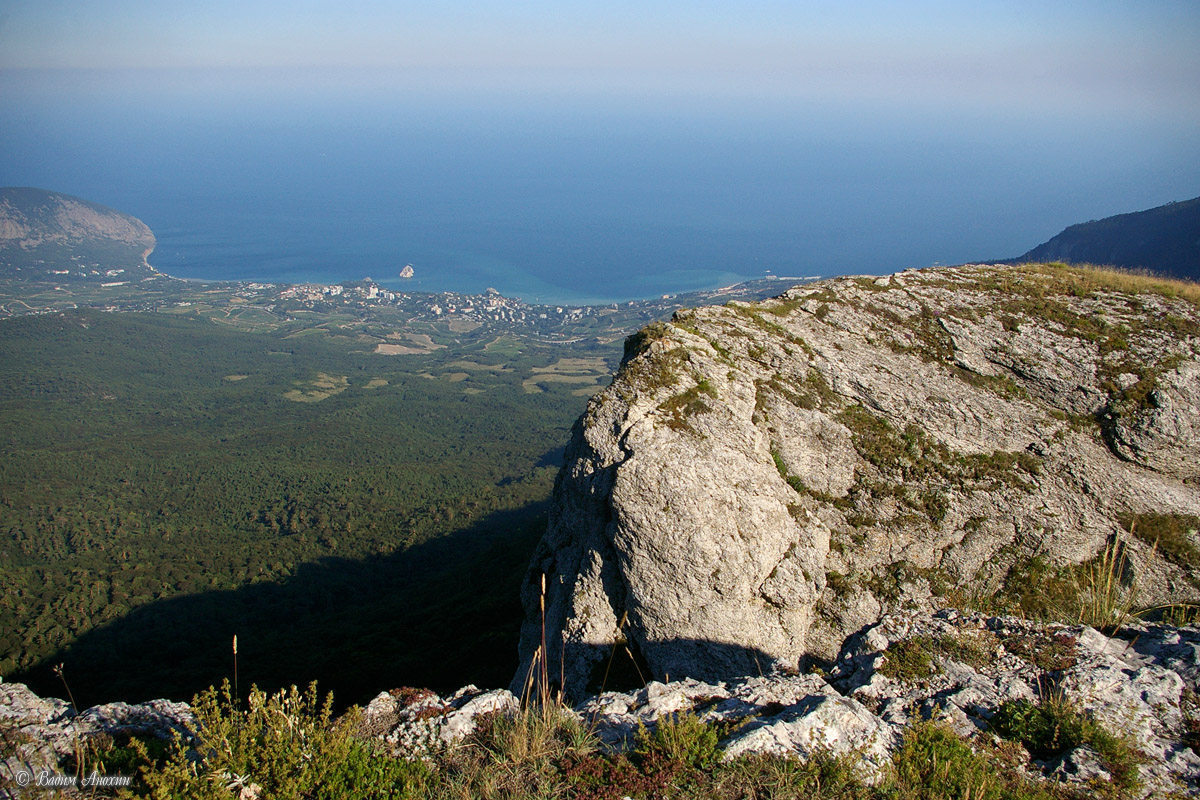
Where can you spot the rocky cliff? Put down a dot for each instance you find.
(760, 481)
(47, 236)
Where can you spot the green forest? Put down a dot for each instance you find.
(361, 519)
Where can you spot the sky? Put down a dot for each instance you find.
(1014, 57)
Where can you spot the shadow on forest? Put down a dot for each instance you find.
(439, 614)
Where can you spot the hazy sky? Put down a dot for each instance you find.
(1115, 57)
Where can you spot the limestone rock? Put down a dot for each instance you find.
(776, 714)
(825, 722)
(44, 731)
(958, 668)
(415, 723)
(1137, 683)
(760, 481)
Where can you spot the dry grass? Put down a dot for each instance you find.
(475, 365)
(1088, 278)
(589, 371)
(385, 349)
(1107, 603)
(418, 344)
(322, 387)
(457, 325)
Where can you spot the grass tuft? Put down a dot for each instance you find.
(1107, 602)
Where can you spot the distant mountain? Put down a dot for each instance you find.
(47, 236)
(1165, 240)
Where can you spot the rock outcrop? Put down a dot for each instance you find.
(960, 669)
(760, 481)
(413, 723)
(40, 733)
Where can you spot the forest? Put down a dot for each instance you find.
(360, 519)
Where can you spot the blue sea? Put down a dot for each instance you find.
(573, 199)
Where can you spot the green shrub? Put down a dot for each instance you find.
(909, 659)
(683, 738)
(819, 777)
(1047, 729)
(366, 773)
(598, 777)
(680, 408)
(1049, 652)
(1054, 726)
(286, 744)
(933, 763)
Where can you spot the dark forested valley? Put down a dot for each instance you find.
(353, 517)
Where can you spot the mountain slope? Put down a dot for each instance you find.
(47, 236)
(1165, 240)
(762, 480)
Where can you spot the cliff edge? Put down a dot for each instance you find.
(760, 481)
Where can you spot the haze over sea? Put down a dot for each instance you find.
(571, 197)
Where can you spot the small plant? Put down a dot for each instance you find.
(123, 754)
(684, 738)
(909, 659)
(81, 750)
(689, 403)
(933, 763)
(284, 745)
(1047, 728)
(1049, 653)
(837, 582)
(235, 668)
(1037, 589)
(1054, 726)
(533, 735)
(365, 772)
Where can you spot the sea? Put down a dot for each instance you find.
(558, 198)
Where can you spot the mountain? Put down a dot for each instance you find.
(761, 480)
(51, 237)
(1165, 240)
